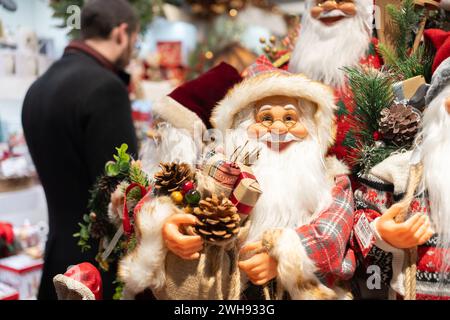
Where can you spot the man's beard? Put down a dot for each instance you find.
(124, 60)
(173, 145)
(435, 159)
(294, 184)
(322, 51)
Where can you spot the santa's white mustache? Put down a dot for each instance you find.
(278, 138)
(332, 14)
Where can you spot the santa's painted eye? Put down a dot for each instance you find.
(266, 117)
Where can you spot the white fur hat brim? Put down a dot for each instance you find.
(70, 289)
(171, 111)
(277, 83)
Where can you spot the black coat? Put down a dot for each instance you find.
(73, 118)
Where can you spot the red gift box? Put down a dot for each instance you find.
(8, 293)
(22, 273)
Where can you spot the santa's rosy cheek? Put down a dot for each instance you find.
(447, 105)
(348, 8)
(316, 11)
(256, 130)
(299, 130)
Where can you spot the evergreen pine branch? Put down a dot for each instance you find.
(405, 20)
(400, 62)
(371, 155)
(387, 54)
(137, 175)
(372, 92)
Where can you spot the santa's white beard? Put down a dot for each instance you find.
(294, 184)
(322, 51)
(436, 159)
(174, 145)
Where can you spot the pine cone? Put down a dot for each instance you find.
(219, 220)
(171, 177)
(399, 124)
(99, 228)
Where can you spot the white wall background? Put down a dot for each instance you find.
(37, 15)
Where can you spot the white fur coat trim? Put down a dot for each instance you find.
(279, 84)
(145, 266)
(394, 170)
(178, 115)
(335, 167)
(295, 268)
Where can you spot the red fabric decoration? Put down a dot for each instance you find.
(197, 95)
(7, 233)
(127, 228)
(88, 275)
(441, 41)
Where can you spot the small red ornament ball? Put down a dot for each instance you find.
(188, 186)
(376, 136)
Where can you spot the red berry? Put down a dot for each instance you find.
(188, 186)
(376, 136)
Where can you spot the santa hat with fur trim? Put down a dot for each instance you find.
(80, 282)
(192, 102)
(273, 82)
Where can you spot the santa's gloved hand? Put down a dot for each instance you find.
(413, 232)
(187, 247)
(261, 267)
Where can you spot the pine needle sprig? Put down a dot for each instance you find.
(372, 92)
(401, 62)
(369, 156)
(405, 19)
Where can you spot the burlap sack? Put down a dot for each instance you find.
(214, 276)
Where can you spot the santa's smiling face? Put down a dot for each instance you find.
(278, 122)
(331, 12)
(289, 164)
(333, 35)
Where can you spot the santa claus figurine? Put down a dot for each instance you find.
(298, 231)
(300, 225)
(334, 35)
(417, 263)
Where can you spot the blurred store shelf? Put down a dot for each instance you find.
(14, 88)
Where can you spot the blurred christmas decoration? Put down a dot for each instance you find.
(277, 50)
(439, 19)
(235, 55)
(400, 37)
(119, 173)
(208, 9)
(147, 10)
(220, 34)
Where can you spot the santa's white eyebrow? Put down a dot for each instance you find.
(290, 107)
(265, 107)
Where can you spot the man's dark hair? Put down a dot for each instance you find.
(100, 17)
